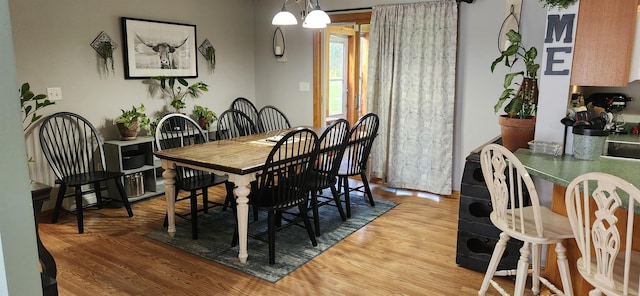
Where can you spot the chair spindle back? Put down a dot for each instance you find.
(603, 232)
(71, 145)
(358, 148)
(234, 123)
(511, 189)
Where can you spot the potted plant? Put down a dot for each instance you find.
(518, 124)
(30, 103)
(558, 3)
(130, 121)
(180, 91)
(204, 116)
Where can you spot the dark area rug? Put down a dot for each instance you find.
(293, 247)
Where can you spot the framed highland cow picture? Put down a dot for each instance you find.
(155, 48)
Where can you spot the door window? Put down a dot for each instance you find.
(336, 103)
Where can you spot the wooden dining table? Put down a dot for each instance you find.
(239, 158)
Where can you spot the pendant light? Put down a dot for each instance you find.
(317, 18)
(312, 15)
(284, 17)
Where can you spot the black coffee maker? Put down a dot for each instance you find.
(611, 102)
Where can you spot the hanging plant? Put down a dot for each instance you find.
(209, 52)
(558, 3)
(104, 46)
(211, 57)
(106, 52)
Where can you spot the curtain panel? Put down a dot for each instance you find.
(412, 64)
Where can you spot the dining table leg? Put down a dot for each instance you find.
(242, 210)
(169, 176)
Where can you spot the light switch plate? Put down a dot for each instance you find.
(54, 93)
(305, 86)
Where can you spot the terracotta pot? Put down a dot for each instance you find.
(516, 133)
(128, 134)
(202, 122)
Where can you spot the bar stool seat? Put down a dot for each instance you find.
(518, 214)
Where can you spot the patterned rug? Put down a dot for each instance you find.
(293, 247)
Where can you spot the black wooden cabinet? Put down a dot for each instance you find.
(477, 236)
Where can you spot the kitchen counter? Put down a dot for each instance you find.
(561, 170)
(624, 138)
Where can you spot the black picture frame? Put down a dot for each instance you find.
(157, 48)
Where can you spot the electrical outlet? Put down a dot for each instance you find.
(54, 93)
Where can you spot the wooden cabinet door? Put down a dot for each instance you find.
(604, 42)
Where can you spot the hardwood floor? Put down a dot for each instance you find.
(408, 251)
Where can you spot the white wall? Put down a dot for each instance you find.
(477, 88)
(476, 91)
(18, 253)
(278, 83)
(52, 44)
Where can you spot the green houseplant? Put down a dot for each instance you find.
(178, 92)
(519, 98)
(210, 56)
(204, 116)
(558, 3)
(105, 50)
(523, 102)
(30, 103)
(131, 120)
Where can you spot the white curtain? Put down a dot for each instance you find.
(412, 64)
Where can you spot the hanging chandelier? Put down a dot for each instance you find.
(311, 15)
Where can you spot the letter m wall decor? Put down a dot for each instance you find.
(555, 81)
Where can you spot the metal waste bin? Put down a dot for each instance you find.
(588, 143)
(134, 184)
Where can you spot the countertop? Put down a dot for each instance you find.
(624, 138)
(563, 169)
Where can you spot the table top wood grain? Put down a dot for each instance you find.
(240, 156)
(237, 156)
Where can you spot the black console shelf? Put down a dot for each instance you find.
(477, 236)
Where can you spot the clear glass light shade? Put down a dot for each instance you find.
(284, 18)
(316, 19)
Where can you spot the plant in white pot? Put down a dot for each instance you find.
(519, 98)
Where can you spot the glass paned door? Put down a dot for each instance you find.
(344, 71)
(338, 62)
(340, 68)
